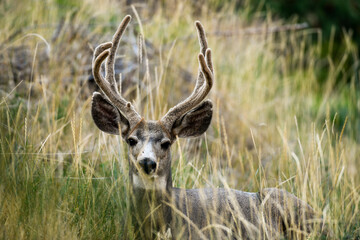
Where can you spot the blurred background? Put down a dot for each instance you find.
(286, 107)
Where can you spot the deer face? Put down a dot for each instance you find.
(149, 141)
(149, 156)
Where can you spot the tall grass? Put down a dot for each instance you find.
(274, 123)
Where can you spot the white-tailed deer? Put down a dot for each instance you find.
(158, 207)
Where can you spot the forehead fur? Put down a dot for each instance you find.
(149, 129)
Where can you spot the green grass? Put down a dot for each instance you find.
(274, 123)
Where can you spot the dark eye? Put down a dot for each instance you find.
(165, 144)
(132, 141)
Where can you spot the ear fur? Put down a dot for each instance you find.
(195, 122)
(107, 117)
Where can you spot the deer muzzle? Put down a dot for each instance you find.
(147, 165)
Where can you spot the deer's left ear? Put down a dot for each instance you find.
(195, 122)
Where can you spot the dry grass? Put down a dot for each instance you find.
(274, 124)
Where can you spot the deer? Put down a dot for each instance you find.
(158, 208)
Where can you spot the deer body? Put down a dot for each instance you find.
(210, 213)
(217, 213)
(157, 206)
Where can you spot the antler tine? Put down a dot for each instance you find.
(100, 53)
(108, 86)
(203, 85)
(203, 44)
(203, 47)
(99, 49)
(110, 62)
(202, 37)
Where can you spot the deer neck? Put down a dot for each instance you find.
(149, 207)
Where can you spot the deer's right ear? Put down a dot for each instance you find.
(107, 117)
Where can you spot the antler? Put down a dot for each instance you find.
(203, 84)
(108, 85)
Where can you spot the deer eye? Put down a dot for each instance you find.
(132, 141)
(165, 144)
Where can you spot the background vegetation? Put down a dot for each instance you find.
(286, 112)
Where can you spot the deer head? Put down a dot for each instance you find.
(150, 141)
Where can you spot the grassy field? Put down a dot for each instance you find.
(274, 125)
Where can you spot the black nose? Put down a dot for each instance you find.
(147, 165)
